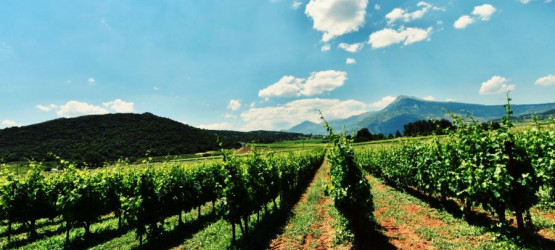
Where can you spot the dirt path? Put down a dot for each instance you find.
(311, 226)
(410, 223)
(400, 227)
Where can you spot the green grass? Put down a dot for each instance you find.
(105, 233)
(305, 213)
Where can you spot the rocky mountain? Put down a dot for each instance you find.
(407, 109)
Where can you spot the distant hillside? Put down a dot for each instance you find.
(106, 137)
(260, 136)
(530, 117)
(409, 109)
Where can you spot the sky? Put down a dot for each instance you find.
(267, 64)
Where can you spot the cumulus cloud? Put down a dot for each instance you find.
(326, 47)
(296, 4)
(353, 48)
(495, 85)
(377, 7)
(292, 113)
(120, 106)
(548, 80)
(387, 36)
(429, 98)
(91, 80)
(47, 108)
(316, 83)
(287, 86)
(463, 21)
(350, 61)
(383, 102)
(10, 123)
(75, 108)
(234, 104)
(406, 16)
(336, 17)
(217, 126)
(323, 81)
(484, 11)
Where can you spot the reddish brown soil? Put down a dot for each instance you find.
(411, 209)
(547, 233)
(243, 150)
(549, 216)
(403, 237)
(324, 225)
(379, 211)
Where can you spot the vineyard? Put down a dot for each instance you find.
(247, 201)
(497, 170)
(142, 198)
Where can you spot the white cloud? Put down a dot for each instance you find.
(316, 83)
(287, 86)
(463, 21)
(526, 1)
(484, 11)
(495, 85)
(292, 113)
(47, 108)
(326, 47)
(377, 7)
(383, 102)
(353, 48)
(406, 16)
(217, 126)
(296, 4)
(336, 17)
(450, 99)
(156, 88)
(252, 104)
(91, 80)
(429, 98)
(387, 36)
(548, 80)
(323, 81)
(75, 108)
(350, 61)
(234, 104)
(10, 123)
(120, 106)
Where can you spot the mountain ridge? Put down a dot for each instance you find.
(405, 109)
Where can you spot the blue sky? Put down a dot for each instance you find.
(267, 64)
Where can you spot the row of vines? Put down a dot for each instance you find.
(349, 189)
(495, 169)
(143, 197)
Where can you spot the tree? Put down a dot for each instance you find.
(364, 135)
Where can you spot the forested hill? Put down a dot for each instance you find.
(259, 136)
(112, 136)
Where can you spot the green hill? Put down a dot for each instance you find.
(105, 137)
